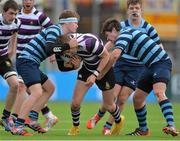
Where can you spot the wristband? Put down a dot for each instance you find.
(96, 73)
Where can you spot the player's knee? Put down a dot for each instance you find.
(22, 87)
(50, 90)
(75, 106)
(160, 95)
(109, 107)
(36, 93)
(122, 100)
(14, 87)
(138, 98)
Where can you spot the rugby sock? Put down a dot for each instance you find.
(108, 125)
(75, 116)
(100, 113)
(166, 108)
(49, 115)
(14, 116)
(116, 114)
(141, 116)
(45, 110)
(19, 122)
(6, 114)
(33, 115)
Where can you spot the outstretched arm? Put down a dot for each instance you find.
(113, 58)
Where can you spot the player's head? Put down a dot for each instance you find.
(134, 9)
(110, 29)
(10, 9)
(69, 19)
(66, 39)
(28, 5)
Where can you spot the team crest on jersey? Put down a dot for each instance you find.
(107, 86)
(8, 64)
(31, 22)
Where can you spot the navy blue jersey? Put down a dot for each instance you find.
(144, 27)
(35, 49)
(141, 46)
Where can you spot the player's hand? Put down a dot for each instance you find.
(90, 80)
(52, 59)
(76, 61)
(100, 76)
(68, 64)
(73, 43)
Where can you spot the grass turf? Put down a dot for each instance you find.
(62, 111)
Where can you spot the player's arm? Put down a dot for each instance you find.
(109, 45)
(63, 67)
(56, 47)
(116, 53)
(153, 34)
(103, 62)
(73, 64)
(12, 45)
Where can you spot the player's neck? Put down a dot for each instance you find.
(136, 23)
(27, 11)
(5, 21)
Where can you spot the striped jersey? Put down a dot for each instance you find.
(139, 45)
(89, 49)
(144, 27)
(35, 49)
(6, 32)
(31, 25)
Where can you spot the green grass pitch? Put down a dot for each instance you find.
(62, 110)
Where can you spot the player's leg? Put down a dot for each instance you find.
(139, 101)
(48, 89)
(11, 96)
(78, 95)
(107, 84)
(21, 96)
(121, 100)
(127, 75)
(51, 119)
(31, 75)
(11, 77)
(141, 112)
(119, 75)
(107, 126)
(36, 93)
(112, 108)
(161, 79)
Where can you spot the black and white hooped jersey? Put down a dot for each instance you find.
(6, 32)
(139, 45)
(31, 25)
(90, 48)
